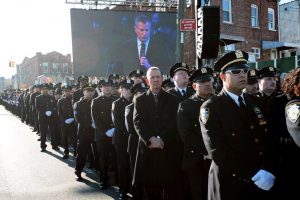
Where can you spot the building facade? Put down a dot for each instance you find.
(52, 67)
(244, 25)
(289, 21)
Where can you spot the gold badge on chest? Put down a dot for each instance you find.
(293, 112)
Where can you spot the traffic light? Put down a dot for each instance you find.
(12, 63)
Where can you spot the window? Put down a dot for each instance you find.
(65, 68)
(273, 54)
(45, 67)
(229, 48)
(271, 19)
(254, 15)
(256, 51)
(55, 67)
(203, 3)
(226, 5)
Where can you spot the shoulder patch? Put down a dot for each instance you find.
(293, 112)
(204, 114)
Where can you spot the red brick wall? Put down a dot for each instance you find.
(241, 26)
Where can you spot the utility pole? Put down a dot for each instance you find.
(179, 34)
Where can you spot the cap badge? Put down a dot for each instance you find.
(238, 54)
(203, 70)
(204, 115)
(293, 112)
(252, 73)
(183, 64)
(271, 69)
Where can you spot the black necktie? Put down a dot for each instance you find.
(241, 102)
(183, 93)
(142, 50)
(155, 100)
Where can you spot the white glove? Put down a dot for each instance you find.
(263, 179)
(110, 132)
(93, 125)
(48, 113)
(69, 120)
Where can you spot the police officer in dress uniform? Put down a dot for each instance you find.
(101, 114)
(82, 113)
(33, 109)
(267, 88)
(180, 75)
(133, 137)
(46, 108)
(195, 161)
(236, 137)
(82, 81)
(67, 120)
(291, 88)
(120, 137)
(252, 86)
(136, 76)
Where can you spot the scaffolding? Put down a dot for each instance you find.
(104, 4)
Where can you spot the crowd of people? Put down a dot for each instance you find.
(224, 132)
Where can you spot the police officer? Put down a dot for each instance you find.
(101, 114)
(82, 81)
(67, 121)
(195, 162)
(46, 108)
(82, 113)
(120, 137)
(136, 76)
(34, 117)
(267, 88)
(236, 137)
(290, 172)
(133, 137)
(252, 86)
(180, 74)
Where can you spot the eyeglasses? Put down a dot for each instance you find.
(238, 71)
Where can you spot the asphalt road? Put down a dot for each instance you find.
(28, 174)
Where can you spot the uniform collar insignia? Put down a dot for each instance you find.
(293, 112)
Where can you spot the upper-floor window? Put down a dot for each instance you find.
(271, 19)
(55, 67)
(45, 67)
(226, 6)
(254, 15)
(203, 3)
(65, 68)
(256, 51)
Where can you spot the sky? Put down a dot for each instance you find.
(30, 26)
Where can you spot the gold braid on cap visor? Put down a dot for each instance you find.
(234, 61)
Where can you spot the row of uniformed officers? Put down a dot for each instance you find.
(183, 142)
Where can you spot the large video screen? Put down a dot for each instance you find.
(106, 42)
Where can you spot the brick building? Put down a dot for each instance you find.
(52, 67)
(245, 25)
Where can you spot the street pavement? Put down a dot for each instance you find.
(28, 174)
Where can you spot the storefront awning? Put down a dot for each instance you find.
(279, 45)
(230, 39)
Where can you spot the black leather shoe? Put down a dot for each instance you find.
(78, 176)
(39, 139)
(43, 150)
(55, 148)
(66, 156)
(103, 186)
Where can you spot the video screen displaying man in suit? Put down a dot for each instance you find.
(106, 41)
